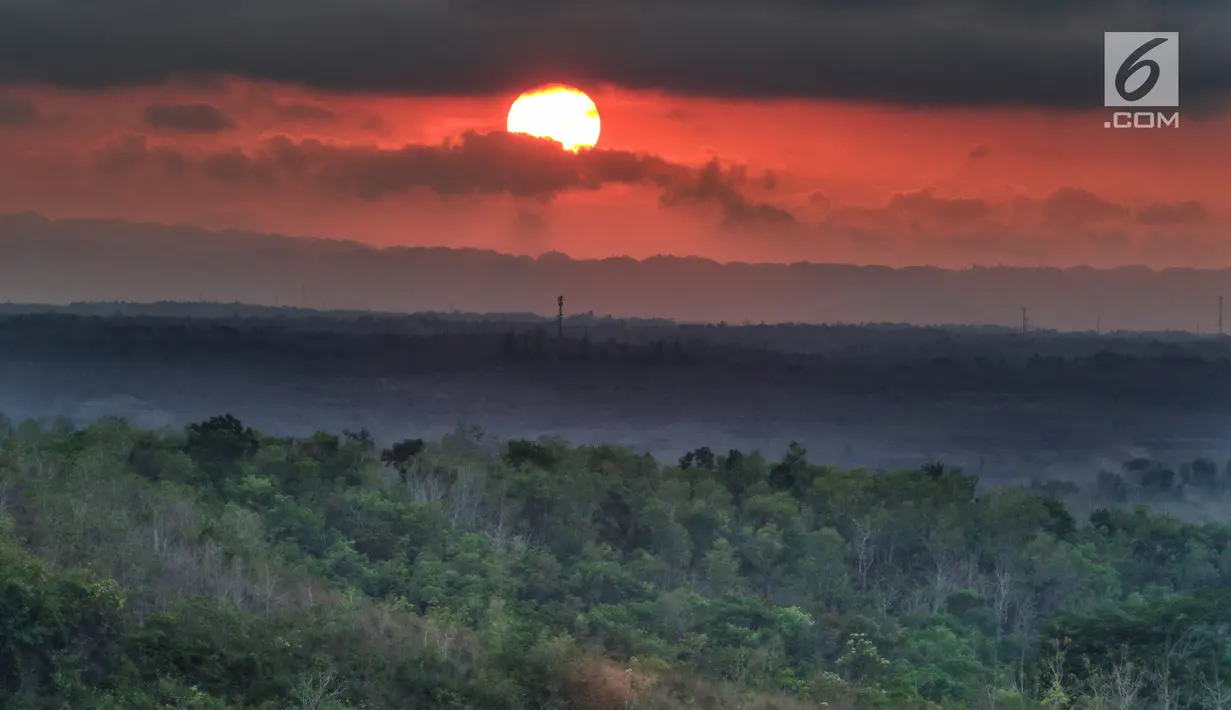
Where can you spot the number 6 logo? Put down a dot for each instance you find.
(1134, 63)
(1131, 57)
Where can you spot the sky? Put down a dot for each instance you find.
(894, 132)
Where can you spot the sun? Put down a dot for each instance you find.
(561, 113)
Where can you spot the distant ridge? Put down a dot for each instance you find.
(62, 261)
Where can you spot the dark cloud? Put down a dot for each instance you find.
(476, 164)
(529, 220)
(1172, 213)
(913, 213)
(197, 118)
(713, 185)
(1043, 52)
(924, 205)
(234, 166)
(16, 111)
(1074, 208)
(979, 152)
(131, 153)
(1068, 220)
(305, 113)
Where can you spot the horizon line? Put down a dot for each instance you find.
(44, 308)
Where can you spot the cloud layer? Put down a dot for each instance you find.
(16, 111)
(193, 118)
(1045, 53)
(1069, 225)
(476, 164)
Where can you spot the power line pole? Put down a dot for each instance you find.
(1220, 331)
(560, 318)
(1024, 320)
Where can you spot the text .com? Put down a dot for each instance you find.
(1143, 119)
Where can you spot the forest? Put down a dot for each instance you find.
(217, 567)
(900, 361)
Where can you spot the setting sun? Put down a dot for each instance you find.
(558, 112)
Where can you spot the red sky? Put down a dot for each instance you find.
(863, 182)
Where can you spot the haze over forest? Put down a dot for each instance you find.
(57, 262)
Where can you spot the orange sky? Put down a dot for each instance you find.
(863, 183)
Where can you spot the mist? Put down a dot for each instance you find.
(892, 398)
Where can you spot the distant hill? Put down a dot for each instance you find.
(50, 261)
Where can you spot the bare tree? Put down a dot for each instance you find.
(1177, 650)
(864, 548)
(1026, 614)
(1055, 691)
(1216, 694)
(267, 587)
(314, 690)
(466, 498)
(424, 487)
(998, 588)
(1121, 685)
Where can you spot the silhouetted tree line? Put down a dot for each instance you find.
(867, 340)
(1173, 373)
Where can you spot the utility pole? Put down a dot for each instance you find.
(1220, 331)
(560, 318)
(1024, 321)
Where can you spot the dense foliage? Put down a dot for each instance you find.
(221, 568)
